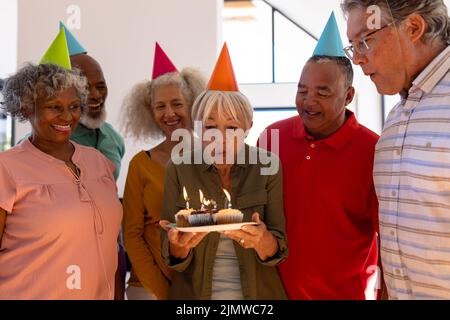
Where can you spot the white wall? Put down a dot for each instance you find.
(121, 35)
(8, 34)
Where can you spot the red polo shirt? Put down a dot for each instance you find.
(331, 210)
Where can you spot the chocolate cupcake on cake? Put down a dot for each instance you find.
(203, 216)
(182, 218)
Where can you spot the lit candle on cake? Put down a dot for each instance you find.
(201, 200)
(186, 198)
(228, 198)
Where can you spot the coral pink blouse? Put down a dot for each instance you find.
(60, 237)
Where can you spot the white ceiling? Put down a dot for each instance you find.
(313, 14)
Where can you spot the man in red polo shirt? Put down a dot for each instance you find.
(329, 197)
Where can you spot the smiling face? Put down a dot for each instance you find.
(322, 97)
(384, 62)
(170, 109)
(56, 118)
(98, 91)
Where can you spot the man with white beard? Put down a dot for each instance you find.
(93, 130)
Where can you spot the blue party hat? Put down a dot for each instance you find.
(72, 43)
(330, 43)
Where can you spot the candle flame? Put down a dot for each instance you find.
(228, 195)
(201, 196)
(186, 198)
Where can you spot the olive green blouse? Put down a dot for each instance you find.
(251, 192)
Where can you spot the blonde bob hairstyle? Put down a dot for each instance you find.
(227, 103)
(137, 116)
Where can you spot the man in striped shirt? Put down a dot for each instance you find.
(404, 47)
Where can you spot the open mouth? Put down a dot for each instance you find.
(95, 107)
(312, 113)
(62, 128)
(172, 123)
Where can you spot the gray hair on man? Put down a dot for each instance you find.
(434, 12)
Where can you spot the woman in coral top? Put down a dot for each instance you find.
(59, 210)
(154, 109)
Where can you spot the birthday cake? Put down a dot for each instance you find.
(207, 215)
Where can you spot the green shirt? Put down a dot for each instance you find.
(251, 192)
(106, 140)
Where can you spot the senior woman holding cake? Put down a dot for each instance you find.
(154, 109)
(59, 210)
(235, 264)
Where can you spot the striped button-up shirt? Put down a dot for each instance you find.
(412, 180)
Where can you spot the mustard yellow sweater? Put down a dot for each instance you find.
(142, 204)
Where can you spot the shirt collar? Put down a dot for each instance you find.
(82, 130)
(28, 146)
(337, 140)
(207, 167)
(433, 73)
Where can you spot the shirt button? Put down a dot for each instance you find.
(308, 158)
(313, 146)
(393, 233)
(394, 194)
(398, 271)
(428, 145)
(398, 152)
(407, 113)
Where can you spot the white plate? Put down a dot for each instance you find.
(216, 227)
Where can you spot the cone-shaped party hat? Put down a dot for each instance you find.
(72, 43)
(161, 63)
(58, 52)
(223, 78)
(330, 43)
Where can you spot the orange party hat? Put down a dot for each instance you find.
(223, 78)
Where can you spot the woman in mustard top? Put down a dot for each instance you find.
(153, 110)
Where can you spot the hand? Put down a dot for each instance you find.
(181, 243)
(255, 237)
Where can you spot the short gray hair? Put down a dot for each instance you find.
(434, 12)
(22, 89)
(343, 63)
(137, 120)
(230, 103)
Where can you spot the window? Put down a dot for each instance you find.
(5, 131)
(265, 45)
(263, 117)
(293, 47)
(247, 31)
(266, 49)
